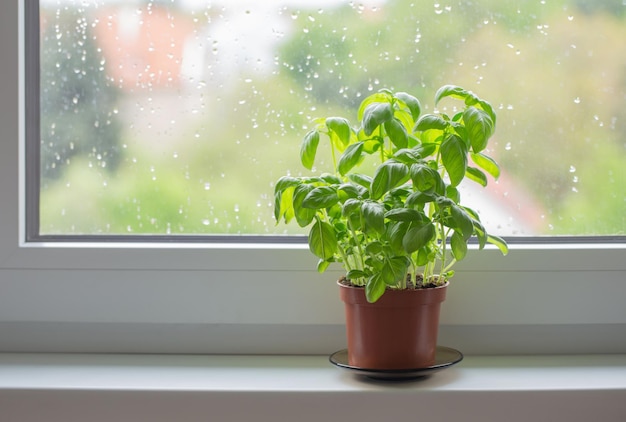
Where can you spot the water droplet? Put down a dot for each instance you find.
(572, 169)
(577, 100)
(508, 146)
(207, 186)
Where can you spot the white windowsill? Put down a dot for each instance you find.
(75, 387)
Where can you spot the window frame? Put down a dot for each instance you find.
(269, 293)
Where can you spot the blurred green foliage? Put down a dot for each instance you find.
(556, 72)
(78, 115)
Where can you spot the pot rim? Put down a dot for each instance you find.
(394, 297)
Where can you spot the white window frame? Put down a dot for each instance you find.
(263, 298)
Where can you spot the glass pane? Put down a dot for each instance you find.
(177, 117)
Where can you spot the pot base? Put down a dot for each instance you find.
(445, 357)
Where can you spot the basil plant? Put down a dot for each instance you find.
(400, 225)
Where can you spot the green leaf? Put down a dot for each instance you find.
(486, 163)
(404, 214)
(283, 198)
(373, 216)
(394, 269)
(322, 240)
(488, 109)
(374, 248)
(479, 128)
(286, 182)
(450, 91)
(321, 197)
(350, 158)
(476, 175)
(355, 221)
(322, 265)
(499, 242)
(414, 155)
(418, 199)
(417, 237)
(471, 99)
(372, 145)
(424, 256)
(395, 234)
(471, 213)
(374, 262)
(403, 115)
(426, 179)
(304, 216)
(308, 148)
(397, 133)
(462, 221)
(374, 288)
(408, 156)
(331, 179)
(349, 190)
(350, 207)
(453, 193)
(458, 245)
(361, 179)
(374, 115)
(355, 274)
(444, 202)
(411, 102)
(388, 175)
(481, 234)
(430, 121)
(378, 97)
(454, 158)
(341, 128)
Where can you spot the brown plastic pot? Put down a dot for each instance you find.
(399, 331)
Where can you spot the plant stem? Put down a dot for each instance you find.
(450, 265)
(355, 238)
(444, 240)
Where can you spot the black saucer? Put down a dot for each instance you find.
(445, 358)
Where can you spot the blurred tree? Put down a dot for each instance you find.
(78, 114)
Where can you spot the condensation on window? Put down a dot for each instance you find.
(177, 117)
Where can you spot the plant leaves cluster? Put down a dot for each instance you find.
(403, 221)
